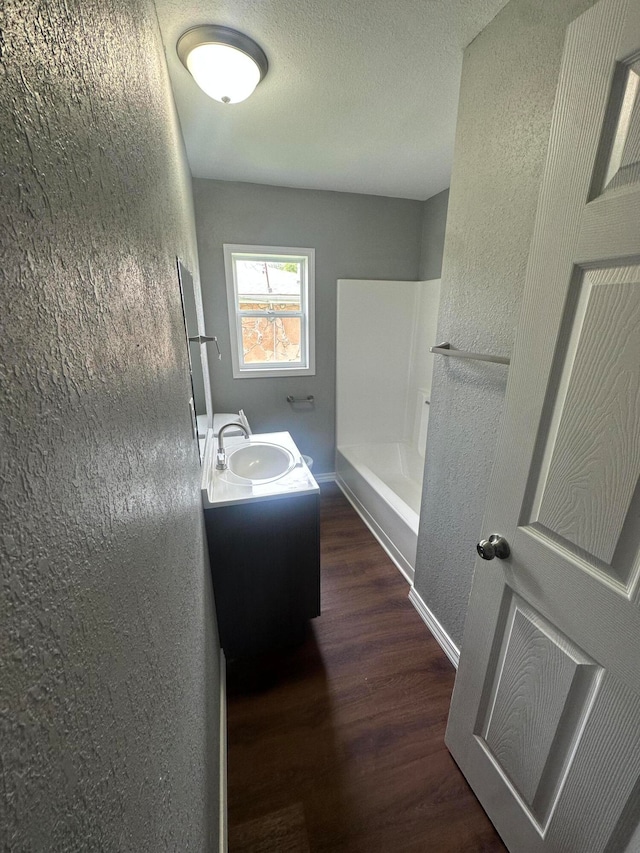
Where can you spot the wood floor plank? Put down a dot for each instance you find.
(283, 830)
(338, 746)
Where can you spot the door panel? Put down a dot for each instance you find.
(542, 688)
(621, 153)
(592, 455)
(545, 716)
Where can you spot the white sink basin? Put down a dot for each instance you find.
(260, 461)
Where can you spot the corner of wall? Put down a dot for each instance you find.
(434, 221)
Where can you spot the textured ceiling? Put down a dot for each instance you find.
(361, 95)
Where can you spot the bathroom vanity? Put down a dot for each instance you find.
(264, 549)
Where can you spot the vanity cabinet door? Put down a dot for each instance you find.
(265, 564)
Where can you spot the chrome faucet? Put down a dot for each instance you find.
(221, 456)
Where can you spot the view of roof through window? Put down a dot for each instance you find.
(259, 278)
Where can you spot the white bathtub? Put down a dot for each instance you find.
(383, 482)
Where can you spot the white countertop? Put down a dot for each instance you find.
(222, 488)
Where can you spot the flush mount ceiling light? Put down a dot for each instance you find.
(226, 64)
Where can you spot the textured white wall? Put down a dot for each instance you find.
(508, 87)
(108, 650)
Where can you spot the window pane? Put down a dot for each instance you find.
(274, 285)
(271, 340)
(270, 300)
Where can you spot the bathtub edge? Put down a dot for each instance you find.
(401, 563)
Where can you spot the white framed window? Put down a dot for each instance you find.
(271, 297)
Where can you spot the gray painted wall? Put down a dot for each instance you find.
(508, 87)
(108, 650)
(355, 236)
(434, 222)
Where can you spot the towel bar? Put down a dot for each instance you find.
(446, 349)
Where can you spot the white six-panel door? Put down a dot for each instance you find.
(545, 717)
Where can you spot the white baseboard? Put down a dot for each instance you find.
(444, 640)
(330, 477)
(224, 830)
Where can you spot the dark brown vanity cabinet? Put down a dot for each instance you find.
(265, 564)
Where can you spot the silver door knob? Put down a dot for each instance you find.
(494, 546)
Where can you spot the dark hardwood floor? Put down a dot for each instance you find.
(338, 745)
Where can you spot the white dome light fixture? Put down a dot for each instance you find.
(226, 64)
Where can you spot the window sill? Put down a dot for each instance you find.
(273, 373)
